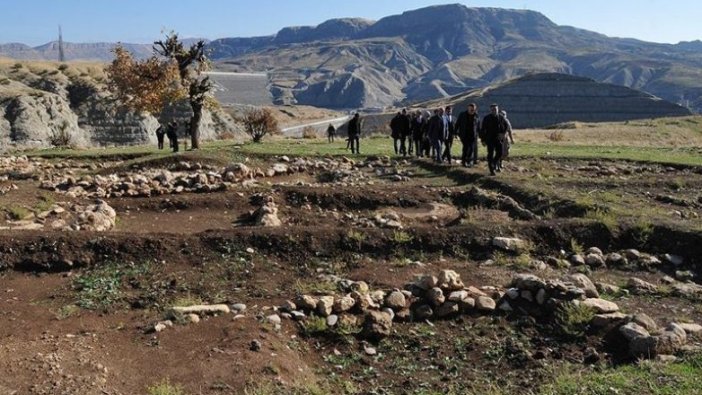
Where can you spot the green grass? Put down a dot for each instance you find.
(17, 213)
(165, 388)
(646, 378)
(102, 287)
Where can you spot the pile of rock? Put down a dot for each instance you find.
(193, 314)
(267, 214)
(646, 340)
(595, 258)
(439, 296)
(97, 217)
(529, 294)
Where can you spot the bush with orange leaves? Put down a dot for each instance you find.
(258, 122)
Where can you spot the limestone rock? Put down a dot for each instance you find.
(376, 325)
(484, 303)
(449, 280)
(511, 244)
(202, 309)
(396, 300)
(601, 306)
(584, 282)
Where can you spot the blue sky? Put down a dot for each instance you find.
(35, 22)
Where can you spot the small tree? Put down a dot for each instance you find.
(259, 122)
(172, 74)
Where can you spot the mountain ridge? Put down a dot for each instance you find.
(438, 51)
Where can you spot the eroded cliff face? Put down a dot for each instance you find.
(46, 104)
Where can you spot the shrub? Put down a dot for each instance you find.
(572, 319)
(556, 135)
(309, 133)
(61, 137)
(17, 66)
(165, 388)
(259, 122)
(63, 67)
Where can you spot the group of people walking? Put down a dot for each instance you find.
(433, 135)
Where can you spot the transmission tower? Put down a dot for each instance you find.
(62, 55)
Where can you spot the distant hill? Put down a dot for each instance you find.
(433, 52)
(540, 100)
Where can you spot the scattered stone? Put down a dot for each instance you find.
(608, 289)
(360, 287)
(325, 305)
(684, 275)
(202, 309)
(161, 326)
(274, 319)
(396, 300)
(577, 260)
(255, 345)
(674, 260)
(192, 318)
(267, 214)
(584, 282)
(601, 306)
(307, 302)
(639, 287)
(423, 312)
(606, 320)
(332, 320)
(690, 328)
(448, 309)
(509, 244)
(343, 304)
(632, 254)
(436, 297)
(645, 321)
(594, 251)
(370, 351)
(615, 259)
(376, 325)
(633, 330)
(594, 260)
(484, 303)
(450, 280)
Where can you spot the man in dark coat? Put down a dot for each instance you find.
(331, 132)
(395, 132)
(354, 132)
(494, 129)
(467, 127)
(507, 141)
(160, 133)
(449, 134)
(418, 122)
(172, 134)
(436, 133)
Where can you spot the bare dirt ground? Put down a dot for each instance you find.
(79, 308)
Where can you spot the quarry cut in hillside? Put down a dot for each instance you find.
(546, 99)
(40, 102)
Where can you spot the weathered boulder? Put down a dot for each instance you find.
(377, 325)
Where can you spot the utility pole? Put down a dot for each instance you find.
(62, 55)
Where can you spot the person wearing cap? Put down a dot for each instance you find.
(494, 128)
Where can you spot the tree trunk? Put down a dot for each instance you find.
(195, 124)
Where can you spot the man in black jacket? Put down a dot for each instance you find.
(354, 132)
(405, 131)
(418, 124)
(449, 134)
(436, 133)
(494, 128)
(468, 126)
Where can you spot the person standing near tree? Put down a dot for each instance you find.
(172, 134)
(160, 134)
(494, 128)
(354, 132)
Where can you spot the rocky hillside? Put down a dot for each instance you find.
(45, 104)
(442, 50)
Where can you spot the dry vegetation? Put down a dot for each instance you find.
(664, 132)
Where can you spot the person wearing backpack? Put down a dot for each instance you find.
(494, 130)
